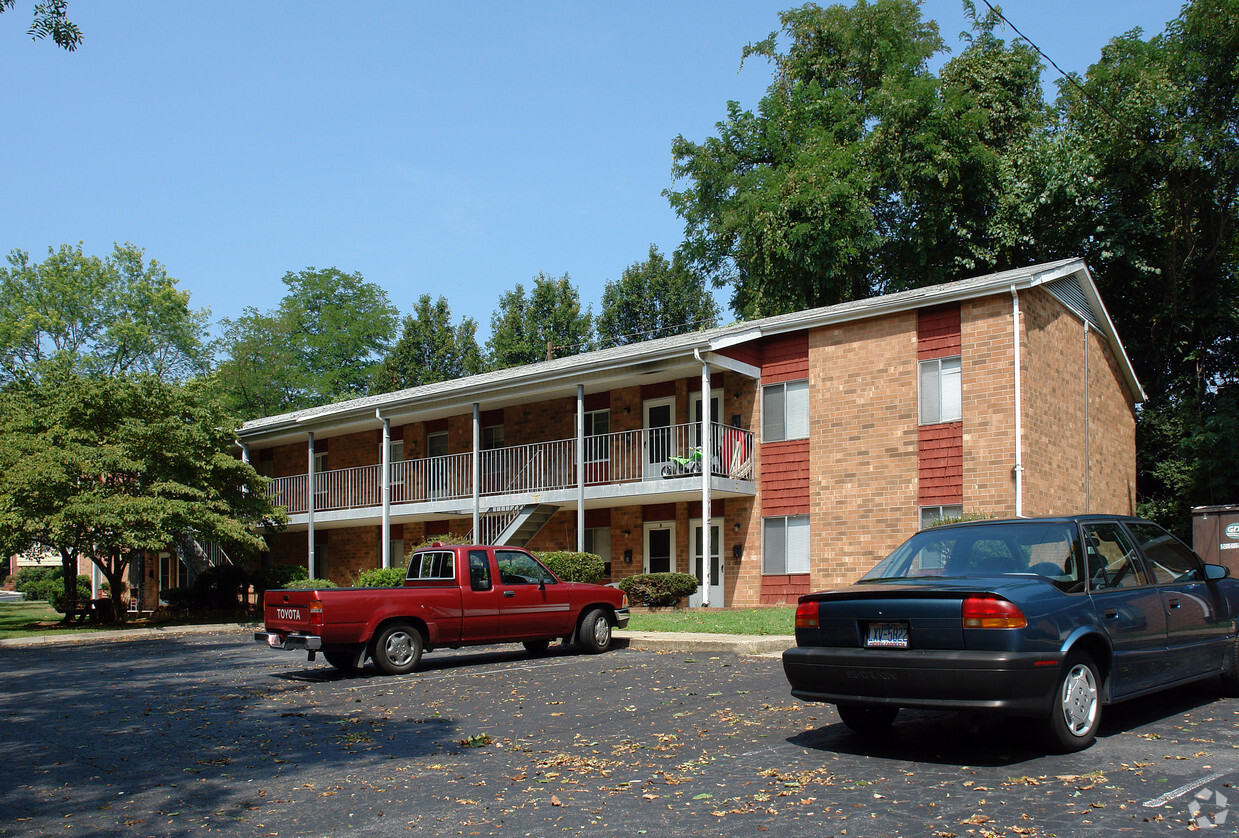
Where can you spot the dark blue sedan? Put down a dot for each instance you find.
(1045, 617)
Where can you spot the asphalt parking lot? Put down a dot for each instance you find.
(211, 734)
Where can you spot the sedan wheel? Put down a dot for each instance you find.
(1076, 712)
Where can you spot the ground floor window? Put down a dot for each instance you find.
(931, 515)
(785, 545)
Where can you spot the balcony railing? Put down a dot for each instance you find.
(622, 457)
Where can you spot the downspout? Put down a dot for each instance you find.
(1019, 425)
(309, 506)
(1088, 458)
(385, 478)
(707, 467)
(580, 468)
(477, 473)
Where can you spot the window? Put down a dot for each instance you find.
(598, 542)
(320, 560)
(395, 551)
(1170, 558)
(931, 515)
(433, 564)
(1112, 559)
(597, 426)
(492, 437)
(785, 545)
(785, 411)
(479, 570)
(941, 396)
(521, 569)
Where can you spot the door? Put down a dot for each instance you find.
(1128, 607)
(716, 565)
(659, 417)
(437, 465)
(660, 547)
(480, 600)
(532, 603)
(716, 441)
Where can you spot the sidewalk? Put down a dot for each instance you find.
(642, 641)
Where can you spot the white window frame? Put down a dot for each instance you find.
(598, 542)
(931, 514)
(788, 536)
(596, 449)
(785, 411)
(940, 390)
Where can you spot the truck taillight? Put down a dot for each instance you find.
(991, 612)
(316, 613)
(806, 615)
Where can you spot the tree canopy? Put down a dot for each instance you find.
(654, 298)
(116, 315)
(523, 326)
(323, 343)
(51, 20)
(104, 467)
(430, 349)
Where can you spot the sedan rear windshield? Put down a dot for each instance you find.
(1037, 547)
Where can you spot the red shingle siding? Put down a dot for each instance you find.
(937, 332)
(785, 358)
(940, 473)
(785, 478)
(780, 590)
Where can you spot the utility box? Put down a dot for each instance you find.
(1215, 535)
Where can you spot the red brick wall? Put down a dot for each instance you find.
(988, 406)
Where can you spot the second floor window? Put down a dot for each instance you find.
(941, 397)
(597, 426)
(785, 411)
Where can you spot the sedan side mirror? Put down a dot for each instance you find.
(1214, 572)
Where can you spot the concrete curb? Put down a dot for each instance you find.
(738, 644)
(642, 641)
(105, 636)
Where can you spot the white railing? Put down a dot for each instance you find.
(621, 457)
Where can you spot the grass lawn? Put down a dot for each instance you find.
(22, 619)
(773, 620)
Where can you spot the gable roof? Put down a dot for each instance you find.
(1068, 280)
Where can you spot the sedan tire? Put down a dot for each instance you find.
(397, 649)
(867, 719)
(1076, 711)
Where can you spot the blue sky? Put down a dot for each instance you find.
(454, 149)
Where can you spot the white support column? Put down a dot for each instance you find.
(385, 458)
(580, 468)
(309, 505)
(707, 467)
(245, 453)
(477, 472)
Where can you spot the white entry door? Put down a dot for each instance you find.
(659, 547)
(658, 445)
(716, 564)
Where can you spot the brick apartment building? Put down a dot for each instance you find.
(830, 436)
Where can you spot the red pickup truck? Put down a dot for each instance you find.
(453, 596)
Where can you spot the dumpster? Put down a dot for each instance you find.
(1215, 535)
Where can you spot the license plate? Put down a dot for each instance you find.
(887, 636)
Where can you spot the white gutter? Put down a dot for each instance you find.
(1019, 425)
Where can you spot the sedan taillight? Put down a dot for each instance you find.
(806, 615)
(991, 612)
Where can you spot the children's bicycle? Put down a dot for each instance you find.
(679, 466)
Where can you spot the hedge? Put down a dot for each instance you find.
(574, 567)
(658, 589)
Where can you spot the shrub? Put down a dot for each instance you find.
(381, 577)
(307, 584)
(443, 538)
(658, 588)
(278, 576)
(47, 584)
(574, 567)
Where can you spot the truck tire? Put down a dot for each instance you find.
(397, 649)
(537, 647)
(595, 632)
(345, 661)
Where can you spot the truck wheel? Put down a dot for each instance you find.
(344, 661)
(536, 647)
(397, 649)
(595, 632)
(1075, 712)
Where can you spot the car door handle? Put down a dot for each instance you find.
(1174, 603)
(509, 593)
(1112, 613)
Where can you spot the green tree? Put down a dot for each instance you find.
(122, 314)
(430, 349)
(107, 467)
(861, 171)
(1151, 135)
(51, 18)
(523, 327)
(653, 299)
(322, 344)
